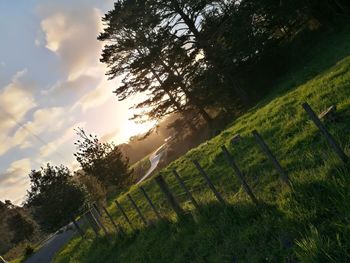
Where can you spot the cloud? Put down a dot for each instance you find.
(44, 120)
(71, 33)
(53, 146)
(78, 86)
(14, 180)
(95, 97)
(16, 173)
(48, 120)
(15, 102)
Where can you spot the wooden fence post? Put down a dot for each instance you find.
(123, 213)
(97, 209)
(137, 209)
(80, 231)
(265, 148)
(339, 151)
(171, 199)
(143, 191)
(183, 186)
(207, 179)
(239, 174)
(117, 227)
(90, 218)
(95, 214)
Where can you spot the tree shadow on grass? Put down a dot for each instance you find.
(74, 245)
(323, 196)
(214, 233)
(237, 233)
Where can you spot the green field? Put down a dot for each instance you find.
(309, 224)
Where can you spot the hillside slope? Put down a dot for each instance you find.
(308, 224)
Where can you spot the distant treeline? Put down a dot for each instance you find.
(197, 55)
(16, 226)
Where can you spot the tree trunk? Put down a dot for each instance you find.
(190, 24)
(195, 103)
(193, 100)
(172, 99)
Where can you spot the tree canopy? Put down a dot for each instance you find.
(102, 160)
(153, 59)
(199, 54)
(54, 197)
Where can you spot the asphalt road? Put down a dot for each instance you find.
(48, 251)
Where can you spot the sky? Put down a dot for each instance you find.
(51, 82)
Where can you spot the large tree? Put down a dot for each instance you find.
(102, 160)
(54, 197)
(186, 20)
(200, 53)
(152, 59)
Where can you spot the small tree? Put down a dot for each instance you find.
(54, 196)
(103, 160)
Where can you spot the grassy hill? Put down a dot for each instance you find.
(308, 224)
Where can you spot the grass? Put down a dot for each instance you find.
(25, 255)
(308, 224)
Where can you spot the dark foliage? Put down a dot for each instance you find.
(105, 161)
(29, 250)
(154, 60)
(16, 226)
(205, 54)
(54, 197)
(21, 226)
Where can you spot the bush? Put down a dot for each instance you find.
(102, 160)
(54, 197)
(97, 192)
(28, 250)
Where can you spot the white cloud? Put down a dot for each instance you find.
(78, 86)
(17, 172)
(71, 33)
(15, 102)
(57, 30)
(48, 119)
(14, 180)
(95, 97)
(53, 146)
(44, 120)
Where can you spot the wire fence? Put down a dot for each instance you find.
(164, 196)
